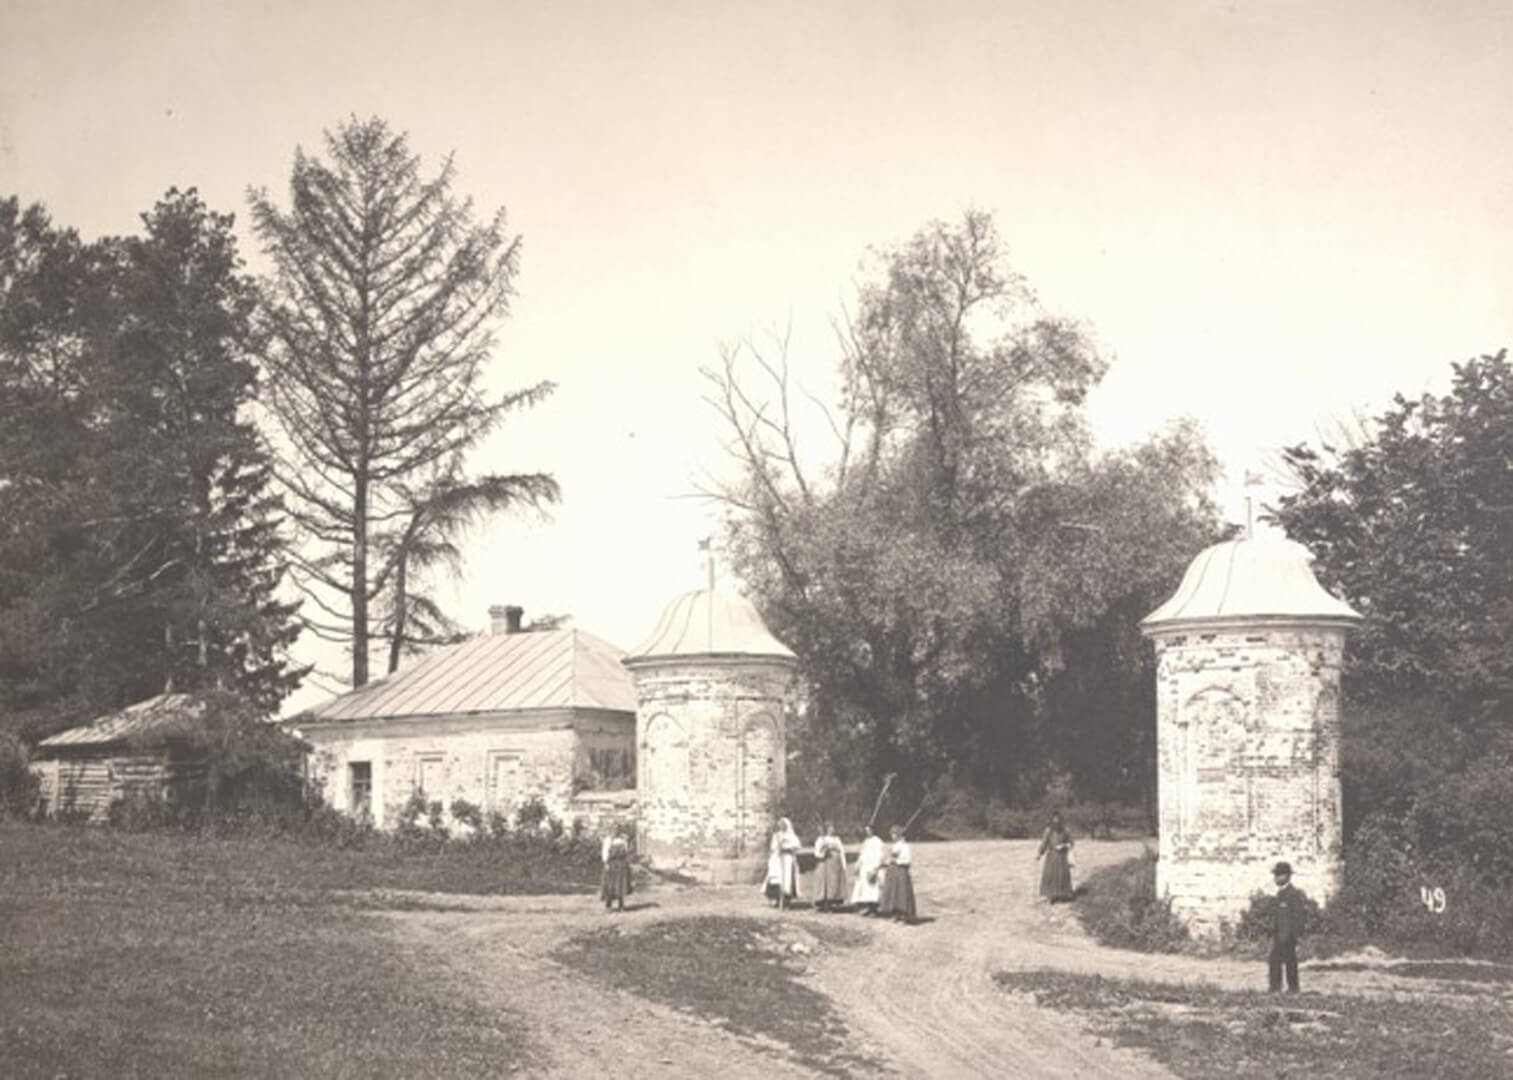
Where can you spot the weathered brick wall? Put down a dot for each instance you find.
(1248, 735)
(711, 760)
(601, 811)
(494, 762)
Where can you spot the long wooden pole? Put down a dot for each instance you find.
(915, 814)
(887, 780)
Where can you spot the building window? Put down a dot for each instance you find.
(503, 780)
(609, 769)
(360, 784)
(431, 775)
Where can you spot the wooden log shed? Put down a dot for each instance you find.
(137, 751)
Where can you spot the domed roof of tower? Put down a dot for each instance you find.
(1262, 579)
(709, 623)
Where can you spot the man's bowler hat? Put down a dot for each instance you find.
(1281, 869)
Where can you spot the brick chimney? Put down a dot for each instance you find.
(505, 618)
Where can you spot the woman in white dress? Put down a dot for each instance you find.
(782, 885)
(869, 870)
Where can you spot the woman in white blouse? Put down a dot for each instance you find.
(898, 885)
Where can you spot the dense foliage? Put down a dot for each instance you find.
(139, 543)
(962, 578)
(1414, 526)
(380, 320)
(1119, 907)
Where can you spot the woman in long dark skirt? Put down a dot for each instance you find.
(898, 883)
(614, 880)
(1056, 872)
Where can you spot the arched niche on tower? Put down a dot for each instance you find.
(1211, 737)
(664, 750)
(761, 760)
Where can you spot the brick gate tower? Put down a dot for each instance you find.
(1248, 654)
(713, 688)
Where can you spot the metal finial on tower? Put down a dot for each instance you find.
(704, 546)
(708, 550)
(1252, 480)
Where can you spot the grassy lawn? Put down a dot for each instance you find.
(166, 955)
(744, 974)
(1204, 1032)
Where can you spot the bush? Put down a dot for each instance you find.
(534, 816)
(1388, 897)
(1258, 921)
(1118, 905)
(468, 814)
(18, 784)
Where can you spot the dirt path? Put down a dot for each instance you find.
(921, 998)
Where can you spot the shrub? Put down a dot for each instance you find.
(1118, 905)
(140, 811)
(330, 827)
(18, 784)
(468, 814)
(1259, 919)
(532, 814)
(1387, 880)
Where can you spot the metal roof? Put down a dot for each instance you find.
(496, 673)
(1263, 579)
(134, 720)
(704, 622)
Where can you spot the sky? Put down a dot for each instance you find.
(1272, 216)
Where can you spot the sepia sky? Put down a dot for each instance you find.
(1272, 215)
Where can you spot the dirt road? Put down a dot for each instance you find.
(919, 998)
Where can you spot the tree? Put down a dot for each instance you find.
(381, 314)
(143, 548)
(962, 542)
(437, 518)
(1413, 524)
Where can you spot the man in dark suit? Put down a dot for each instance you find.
(1287, 927)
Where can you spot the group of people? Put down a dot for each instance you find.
(884, 885)
(884, 882)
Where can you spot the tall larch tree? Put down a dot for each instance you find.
(381, 315)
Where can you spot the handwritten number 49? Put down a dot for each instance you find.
(1434, 898)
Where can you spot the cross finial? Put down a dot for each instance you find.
(1252, 480)
(704, 546)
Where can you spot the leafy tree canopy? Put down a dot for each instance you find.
(963, 579)
(1414, 526)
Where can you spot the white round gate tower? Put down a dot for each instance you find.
(713, 688)
(1248, 654)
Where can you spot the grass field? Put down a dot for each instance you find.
(1201, 1032)
(167, 955)
(744, 974)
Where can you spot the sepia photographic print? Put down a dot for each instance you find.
(705, 539)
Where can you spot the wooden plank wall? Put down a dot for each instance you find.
(88, 784)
